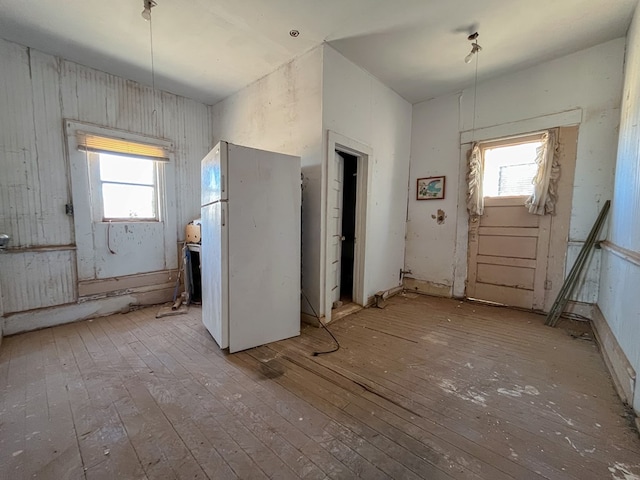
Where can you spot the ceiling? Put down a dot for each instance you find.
(209, 49)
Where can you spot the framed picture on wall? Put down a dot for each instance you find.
(430, 188)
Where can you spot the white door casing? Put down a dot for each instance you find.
(335, 218)
(364, 155)
(553, 231)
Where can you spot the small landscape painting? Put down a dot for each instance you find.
(430, 188)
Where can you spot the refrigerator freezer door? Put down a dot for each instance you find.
(214, 175)
(264, 247)
(215, 272)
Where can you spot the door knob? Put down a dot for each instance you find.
(343, 238)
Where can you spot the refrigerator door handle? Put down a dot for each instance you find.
(222, 183)
(223, 216)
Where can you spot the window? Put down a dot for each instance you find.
(126, 177)
(128, 187)
(509, 169)
(124, 204)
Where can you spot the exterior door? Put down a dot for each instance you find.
(508, 249)
(335, 247)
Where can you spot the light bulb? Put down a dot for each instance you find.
(469, 57)
(146, 14)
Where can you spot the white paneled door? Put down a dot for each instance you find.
(335, 247)
(508, 249)
(517, 258)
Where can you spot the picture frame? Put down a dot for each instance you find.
(430, 188)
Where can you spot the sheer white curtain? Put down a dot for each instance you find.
(545, 193)
(475, 195)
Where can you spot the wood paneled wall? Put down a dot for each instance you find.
(38, 91)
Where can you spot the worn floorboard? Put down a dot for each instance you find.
(425, 388)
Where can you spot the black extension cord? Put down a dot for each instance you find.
(315, 354)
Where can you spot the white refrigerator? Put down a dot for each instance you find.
(250, 246)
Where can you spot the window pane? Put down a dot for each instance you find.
(509, 171)
(516, 179)
(114, 168)
(128, 201)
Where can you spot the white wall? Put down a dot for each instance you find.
(290, 111)
(282, 113)
(590, 80)
(358, 106)
(619, 300)
(38, 91)
(435, 151)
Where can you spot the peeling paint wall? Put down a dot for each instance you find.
(590, 80)
(620, 277)
(282, 113)
(358, 106)
(290, 111)
(38, 91)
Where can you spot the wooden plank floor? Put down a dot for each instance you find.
(426, 388)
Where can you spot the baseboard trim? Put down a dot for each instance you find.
(315, 321)
(74, 312)
(428, 288)
(580, 308)
(310, 319)
(622, 372)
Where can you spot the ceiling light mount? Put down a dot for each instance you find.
(148, 5)
(294, 33)
(475, 47)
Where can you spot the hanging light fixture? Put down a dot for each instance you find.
(148, 5)
(475, 52)
(475, 202)
(146, 14)
(475, 48)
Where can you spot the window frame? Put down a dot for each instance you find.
(91, 235)
(507, 142)
(97, 197)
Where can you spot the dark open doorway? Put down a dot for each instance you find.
(348, 226)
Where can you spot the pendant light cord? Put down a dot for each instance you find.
(153, 71)
(475, 97)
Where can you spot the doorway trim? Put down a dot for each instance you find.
(519, 127)
(363, 153)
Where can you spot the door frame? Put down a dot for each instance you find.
(363, 153)
(558, 246)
